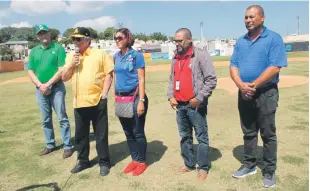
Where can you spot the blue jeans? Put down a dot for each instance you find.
(56, 100)
(134, 131)
(187, 120)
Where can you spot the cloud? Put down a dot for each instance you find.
(100, 24)
(4, 13)
(18, 25)
(48, 7)
(38, 7)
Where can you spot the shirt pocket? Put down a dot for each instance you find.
(268, 102)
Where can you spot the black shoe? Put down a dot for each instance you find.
(104, 170)
(80, 166)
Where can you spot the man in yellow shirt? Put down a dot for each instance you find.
(91, 72)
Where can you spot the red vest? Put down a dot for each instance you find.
(183, 76)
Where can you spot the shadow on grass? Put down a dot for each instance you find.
(53, 185)
(238, 153)
(213, 154)
(119, 151)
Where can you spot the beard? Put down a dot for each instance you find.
(180, 50)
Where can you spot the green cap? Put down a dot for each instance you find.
(41, 28)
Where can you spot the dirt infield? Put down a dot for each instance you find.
(158, 68)
(16, 80)
(285, 82)
(223, 83)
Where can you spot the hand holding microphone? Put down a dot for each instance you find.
(76, 57)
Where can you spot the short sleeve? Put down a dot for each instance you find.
(108, 63)
(234, 57)
(277, 52)
(140, 60)
(68, 59)
(61, 56)
(31, 60)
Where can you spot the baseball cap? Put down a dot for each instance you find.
(81, 32)
(41, 27)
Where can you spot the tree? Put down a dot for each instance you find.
(68, 32)
(54, 34)
(142, 36)
(6, 33)
(6, 53)
(107, 34)
(65, 41)
(93, 33)
(158, 36)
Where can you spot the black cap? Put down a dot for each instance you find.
(81, 32)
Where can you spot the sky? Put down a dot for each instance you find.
(221, 19)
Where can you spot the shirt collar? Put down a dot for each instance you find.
(263, 34)
(87, 52)
(131, 50)
(49, 46)
(190, 52)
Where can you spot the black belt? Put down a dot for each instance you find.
(183, 102)
(262, 90)
(129, 93)
(266, 88)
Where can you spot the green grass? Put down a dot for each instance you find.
(12, 75)
(294, 160)
(298, 54)
(21, 140)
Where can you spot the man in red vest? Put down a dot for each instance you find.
(191, 83)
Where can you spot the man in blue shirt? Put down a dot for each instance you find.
(254, 67)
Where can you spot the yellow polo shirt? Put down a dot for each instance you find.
(87, 80)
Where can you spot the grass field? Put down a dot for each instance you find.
(227, 58)
(21, 140)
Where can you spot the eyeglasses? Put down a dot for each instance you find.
(118, 38)
(77, 39)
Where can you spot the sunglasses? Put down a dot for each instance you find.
(177, 41)
(42, 33)
(77, 39)
(118, 38)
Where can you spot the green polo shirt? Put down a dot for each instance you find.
(46, 61)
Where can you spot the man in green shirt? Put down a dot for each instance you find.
(45, 62)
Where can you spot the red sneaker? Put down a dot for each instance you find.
(130, 167)
(140, 169)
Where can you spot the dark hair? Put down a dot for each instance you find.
(261, 10)
(127, 34)
(187, 32)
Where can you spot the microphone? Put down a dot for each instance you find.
(77, 51)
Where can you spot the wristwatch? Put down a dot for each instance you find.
(143, 100)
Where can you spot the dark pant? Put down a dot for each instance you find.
(99, 118)
(134, 131)
(259, 114)
(187, 119)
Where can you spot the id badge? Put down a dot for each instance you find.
(177, 85)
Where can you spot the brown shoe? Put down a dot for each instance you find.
(181, 169)
(202, 175)
(46, 151)
(68, 153)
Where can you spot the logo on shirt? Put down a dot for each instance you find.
(129, 59)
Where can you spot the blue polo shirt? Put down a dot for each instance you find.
(126, 70)
(253, 57)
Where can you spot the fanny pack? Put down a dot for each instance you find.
(124, 105)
